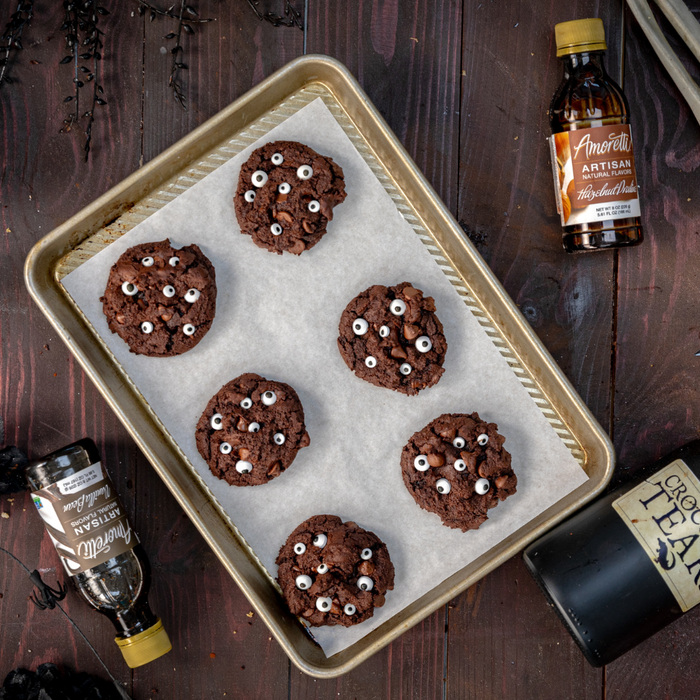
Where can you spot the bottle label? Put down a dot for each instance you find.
(594, 176)
(85, 519)
(663, 513)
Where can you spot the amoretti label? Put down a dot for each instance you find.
(85, 519)
(594, 176)
(663, 513)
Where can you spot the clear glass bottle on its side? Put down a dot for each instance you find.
(592, 158)
(99, 550)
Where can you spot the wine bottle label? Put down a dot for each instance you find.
(594, 176)
(85, 519)
(663, 513)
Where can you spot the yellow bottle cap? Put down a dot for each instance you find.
(145, 646)
(579, 36)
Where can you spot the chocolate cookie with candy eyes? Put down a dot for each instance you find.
(285, 196)
(391, 337)
(334, 573)
(458, 468)
(160, 300)
(251, 430)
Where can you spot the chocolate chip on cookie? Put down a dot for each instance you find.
(251, 430)
(334, 573)
(160, 300)
(391, 337)
(285, 196)
(457, 467)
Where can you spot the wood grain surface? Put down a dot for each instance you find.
(466, 87)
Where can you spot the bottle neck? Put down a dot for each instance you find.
(583, 64)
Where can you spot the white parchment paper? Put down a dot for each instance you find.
(278, 316)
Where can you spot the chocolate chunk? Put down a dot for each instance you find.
(349, 604)
(301, 208)
(462, 508)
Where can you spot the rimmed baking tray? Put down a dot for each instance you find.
(185, 164)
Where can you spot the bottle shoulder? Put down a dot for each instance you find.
(587, 99)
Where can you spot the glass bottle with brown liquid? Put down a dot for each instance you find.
(592, 158)
(100, 552)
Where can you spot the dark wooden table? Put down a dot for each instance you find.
(466, 85)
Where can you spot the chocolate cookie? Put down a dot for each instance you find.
(334, 573)
(160, 300)
(285, 196)
(251, 431)
(391, 337)
(457, 467)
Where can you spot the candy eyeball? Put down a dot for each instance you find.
(443, 486)
(421, 463)
(225, 448)
(305, 172)
(276, 230)
(259, 178)
(320, 540)
(147, 327)
(405, 369)
(349, 609)
(482, 486)
(366, 553)
(299, 548)
(192, 295)
(169, 291)
(254, 428)
(459, 442)
(323, 604)
(243, 467)
(269, 398)
(284, 188)
(217, 421)
(303, 582)
(314, 206)
(147, 262)
(322, 569)
(397, 307)
(277, 159)
(173, 261)
(360, 326)
(188, 329)
(129, 289)
(482, 439)
(460, 465)
(371, 362)
(247, 402)
(365, 583)
(384, 332)
(279, 438)
(423, 344)
(249, 196)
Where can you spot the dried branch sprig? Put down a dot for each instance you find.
(293, 16)
(186, 16)
(12, 36)
(84, 38)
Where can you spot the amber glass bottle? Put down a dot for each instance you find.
(592, 158)
(100, 552)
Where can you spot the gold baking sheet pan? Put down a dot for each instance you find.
(301, 85)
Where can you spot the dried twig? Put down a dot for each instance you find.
(12, 37)
(293, 16)
(186, 16)
(80, 24)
